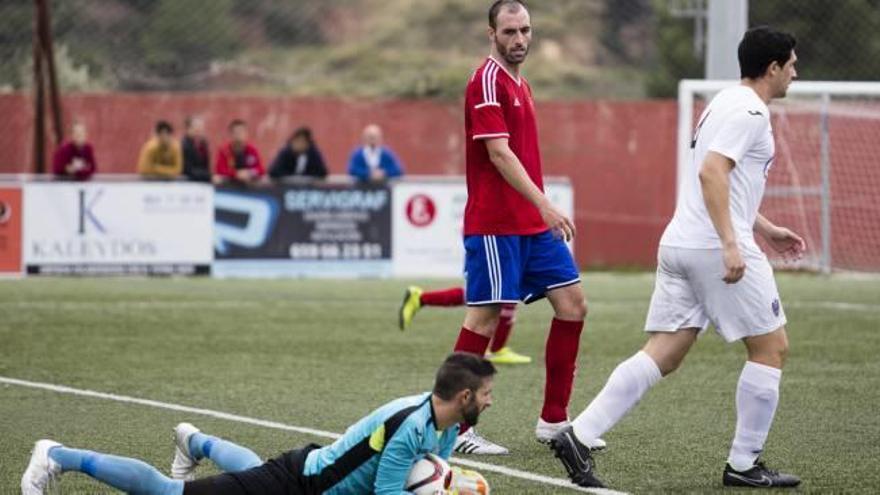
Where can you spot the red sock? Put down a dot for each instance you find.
(505, 325)
(444, 297)
(561, 359)
(473, 343)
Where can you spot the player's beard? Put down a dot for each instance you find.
(471, 412)
(509, 57)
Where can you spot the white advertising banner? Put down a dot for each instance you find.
(118, 228)
(427, 221)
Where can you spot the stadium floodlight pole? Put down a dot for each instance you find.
(38, 157)
(49, 58)
(44, 54)
(727, 22)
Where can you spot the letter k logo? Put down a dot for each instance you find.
(85, 211)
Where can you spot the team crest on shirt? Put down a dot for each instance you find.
(775, 307)
(516, 102)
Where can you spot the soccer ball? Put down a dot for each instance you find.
(429, 475)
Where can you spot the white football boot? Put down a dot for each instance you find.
(41, 471)
(545, 432)
(184, 465)
(471, 442)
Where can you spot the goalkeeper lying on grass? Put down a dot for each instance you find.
(374, 455)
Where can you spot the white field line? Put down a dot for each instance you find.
(514, 473)
(836, 305)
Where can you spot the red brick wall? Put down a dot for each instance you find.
(619, 155)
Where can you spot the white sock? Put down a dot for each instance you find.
(625, 387)
(757, 395)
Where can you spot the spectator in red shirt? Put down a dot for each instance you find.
(238, 160)
(75, 159)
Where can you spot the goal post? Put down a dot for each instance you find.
(825, 182)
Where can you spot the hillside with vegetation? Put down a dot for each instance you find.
(405, 48)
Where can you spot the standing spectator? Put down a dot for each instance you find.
(238, 160)
(160, 156)
(196, 158)
(299, 157)
(75, 159)
(373, 162)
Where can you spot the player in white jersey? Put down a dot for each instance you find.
(712, 271)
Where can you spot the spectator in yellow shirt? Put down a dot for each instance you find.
(160, 156)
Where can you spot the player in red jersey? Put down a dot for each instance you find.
(514, 238)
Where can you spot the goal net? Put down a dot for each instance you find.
(825, 181)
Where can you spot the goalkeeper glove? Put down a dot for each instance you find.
(468, 482)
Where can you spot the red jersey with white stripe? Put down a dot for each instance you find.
(498, 105)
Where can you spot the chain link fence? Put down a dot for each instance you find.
(408, 48)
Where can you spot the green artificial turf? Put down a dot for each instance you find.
(321, 354)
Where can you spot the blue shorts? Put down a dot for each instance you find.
(513, 268)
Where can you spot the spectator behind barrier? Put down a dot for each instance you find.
(160, 156)
(300, 157)
(373, 162)
(238, 160)
(196, 157)
(75, 159)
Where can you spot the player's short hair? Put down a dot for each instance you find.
(760, 47)
(497, 5)
(235, 123)
(461, 371)
(164, 126)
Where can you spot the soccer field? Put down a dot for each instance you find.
(320, 354)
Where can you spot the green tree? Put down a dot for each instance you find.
(288, 22)
(675, 58)
(16, 28)
(184, 36)
(16, 37)
(837, 40)
(619, 16)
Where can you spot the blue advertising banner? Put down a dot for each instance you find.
(331, 230)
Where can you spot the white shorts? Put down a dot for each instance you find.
(689, 293)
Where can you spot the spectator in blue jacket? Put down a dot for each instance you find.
(373, 162)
